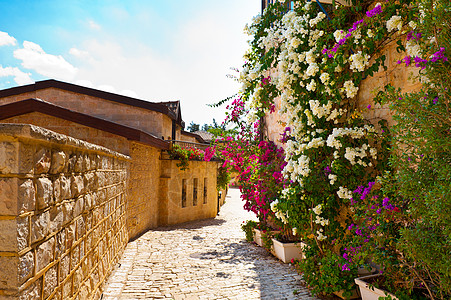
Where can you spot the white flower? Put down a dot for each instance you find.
(332, 178)
(413, 49)
(324, 78)
(294, 230)
(395, 22)
(311, 86)
(351, 90)
(359, 61)
(370, 33)
(344, 193)
(320, 236)
(312, 69)
(318, 209)
(339, 35)
(412, 25)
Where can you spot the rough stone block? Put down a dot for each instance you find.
(39, 226)
(81, 228)
(60, 245)
(75, 259)
(44, 193)
(76, 186)
(56, 218)
(71, 163)
(44, 254)
(51, 281)
(26, 158)
(65, 187)
(8, 236)
(79, 206)
(26, 266)
(8, 196)
(59, 160)
(32, 292)
(57, 190)
(42, 161)
(67, 287)
(27, 196)
(70, 235)
(23, 232)
(68, 212)
(9, 278)
(88, 202)
(9, 157)
(78, 167)
(64, 267)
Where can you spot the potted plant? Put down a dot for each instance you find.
(368, 291)
(287, 247)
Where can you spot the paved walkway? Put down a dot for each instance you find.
(207, 259)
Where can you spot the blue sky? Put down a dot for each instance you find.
(156, 50)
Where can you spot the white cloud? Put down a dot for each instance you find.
(34, 57)
(107, 88)
(94, 25)
(79, 53)
(21, 78)
(85, 83)
(6, 39)
(129, 93)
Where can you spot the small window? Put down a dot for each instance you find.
(183, 192)
(205, 190)
(195, 182)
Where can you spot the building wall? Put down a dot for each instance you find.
(62, 214)
(171, 185)
(150, 121)
(111, 141)
(142, 206)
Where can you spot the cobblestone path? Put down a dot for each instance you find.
(207, 259)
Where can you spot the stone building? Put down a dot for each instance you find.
(85, 175)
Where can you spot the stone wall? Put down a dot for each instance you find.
(142, 206)
(153, 122)
(62, 214)
(396, 74)
(172, 180)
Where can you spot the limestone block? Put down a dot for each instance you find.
(26, 266)
(9, 278)
(79, 206)
(71, 163)
(9, 157)
(64, 267)
(88, 202)
(8, 236)
(85, 290)
(51, 281)
(8, 196)
(101, 178)
(39, 226)
(60, 245)
(86, 163)
(79, 164)
(42, 161)
(67, 287)
(82, 249)
(26, 158)
(76, 185)
(44, 254)
(70, 235)
(81, 228)
(32, 292)
(68, 212)
(65, 188)
(56, 218)
(75, 259)
(23, 232)
(91, 181)
(57, 190)
(27, 196)
(44, 193)
(59, 160)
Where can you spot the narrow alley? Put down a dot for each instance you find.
(207, 259)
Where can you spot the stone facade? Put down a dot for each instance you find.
(398, 75)
(62, 214)
(178, 189)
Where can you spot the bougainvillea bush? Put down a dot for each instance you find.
(314, 63)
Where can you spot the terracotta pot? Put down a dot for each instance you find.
(373, 293)
(288, 251)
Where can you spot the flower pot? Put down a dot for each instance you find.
(373, 293)
(288, 251)
(258, 237)
(355, 292)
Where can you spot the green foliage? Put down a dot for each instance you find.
(248, 229)
(223, 178)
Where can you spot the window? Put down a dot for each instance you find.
(183, 192)
(205, 190)
(195, 181)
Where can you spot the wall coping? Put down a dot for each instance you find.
(28, 131)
